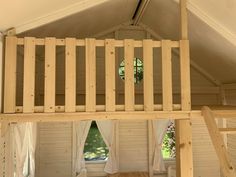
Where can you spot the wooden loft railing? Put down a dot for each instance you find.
(129, 45)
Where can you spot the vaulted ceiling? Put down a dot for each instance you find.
(212, 27)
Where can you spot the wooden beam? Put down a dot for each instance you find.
(122, 115)
(29, 75)
(10, 75)
(183, 20)
(70, 75)
(167, 92)
(90, 74)
(50, 75)
(98, 108)
(148, 75)
(184, 127)
(227, 130)
(218, 142)
(129, 74)
(118, 115)
(110, 75)
(140, 11)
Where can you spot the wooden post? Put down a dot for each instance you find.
(10, 75)
(183, 20)
(70, 75)
(29, 75)
(90, 75)
(184, 155)
(218, 142)
(50, 75)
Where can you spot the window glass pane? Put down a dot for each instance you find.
(95, 148)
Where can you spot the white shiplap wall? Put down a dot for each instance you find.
(205, 161)
(54, 152)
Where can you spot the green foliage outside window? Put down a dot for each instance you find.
(168, 146)
(95, 148)
(138, 70)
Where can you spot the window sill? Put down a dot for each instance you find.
(96, 162)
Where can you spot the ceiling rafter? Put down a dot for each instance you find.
(140, 11)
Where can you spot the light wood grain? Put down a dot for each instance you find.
(50, 75)
(29, 75)
(185, 75)
(70, 75)
(166, 76)
(10, 75)
(90, 75)
(148, 85)
(129, 74)
(110, 74)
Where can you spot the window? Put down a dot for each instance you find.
(138, 70)
(168, 146)
(95, 148)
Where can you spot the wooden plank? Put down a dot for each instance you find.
(185, 75)
(10, 75)
(218, 142)
(70, 75)
(117, 115)
(50, 75)
(90, 75)
(183, 20)
(148, 75)
(100, 108)
(228, 131)
(184, 145)
(29, 75)
(110, 74)
(129, 74)
(184, 154)
(166, 76)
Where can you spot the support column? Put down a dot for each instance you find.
(184, 155)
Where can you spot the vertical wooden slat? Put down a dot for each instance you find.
(10, 75)
(29, 75)
(167, 76)
(90, 54)
(70, 77)
(148, 75)
(185, 75)
(110, 74)
(129, 74)
(50, 75)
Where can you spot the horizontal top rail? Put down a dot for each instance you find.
(98, 43)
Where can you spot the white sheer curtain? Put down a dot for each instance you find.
(25, 144)
(159, 130)
(81, 129)
(107, 129)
